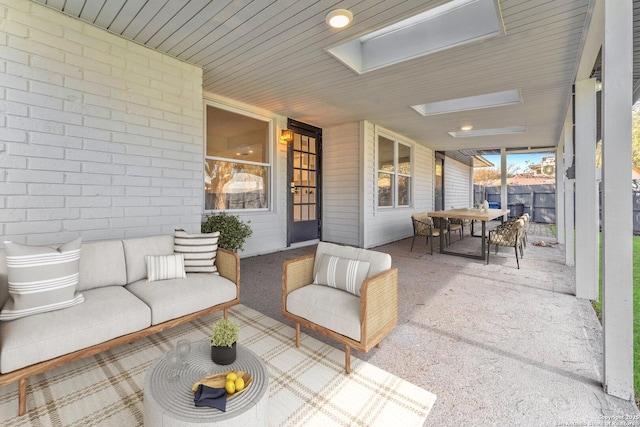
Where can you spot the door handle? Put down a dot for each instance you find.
(293, 188)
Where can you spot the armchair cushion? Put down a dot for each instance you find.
(378, 261)
(342, 273)
(333, 309)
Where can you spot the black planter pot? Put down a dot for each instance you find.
(223, 355)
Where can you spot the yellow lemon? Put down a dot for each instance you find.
(239, 384)
(230, 386)
(231, 376)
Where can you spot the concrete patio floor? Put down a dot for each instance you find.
(497, 345)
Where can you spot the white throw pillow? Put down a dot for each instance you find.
(165, 267)
(342, 273)
(199, 250)
(41, 278)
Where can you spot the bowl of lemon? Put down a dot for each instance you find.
(235, 382)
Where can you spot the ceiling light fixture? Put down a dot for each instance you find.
(490, 132)
(466, 128)
(339, 18)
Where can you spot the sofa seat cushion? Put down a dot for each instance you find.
(170, 299)
(106, 313)
(328, 307)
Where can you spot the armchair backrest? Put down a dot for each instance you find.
(378, 261)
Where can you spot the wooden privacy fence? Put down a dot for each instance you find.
(539, 201)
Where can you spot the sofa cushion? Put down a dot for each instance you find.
(170, 299)
(331, 308)
(107, 313)
(164, 267)
(136, 249)
(341, 273)
(199, 250)
(378, 261)
(102, 264)
(41, 278)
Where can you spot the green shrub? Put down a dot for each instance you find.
(225, 333)
(233, 231)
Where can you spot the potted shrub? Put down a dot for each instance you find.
(223, 341)
(233, 231)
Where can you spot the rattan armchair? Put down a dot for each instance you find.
(375, 310)
(509, 234)
(423, 227)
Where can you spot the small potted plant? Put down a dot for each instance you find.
(223, 341)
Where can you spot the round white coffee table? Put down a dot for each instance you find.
(169, 401)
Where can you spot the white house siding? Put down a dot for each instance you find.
(99, 137)
(269, 227)
(387, 224)
(341, 182)
(458, 181)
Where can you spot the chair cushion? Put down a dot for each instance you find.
(341, 273)
(136, 249)
(173, 298)
(41, 279)
(199, 250)
(331, 308)
(107, 313)
(164, 267)
(378, 261)
(102, 264)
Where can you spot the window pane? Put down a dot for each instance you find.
(235, 136)
(404, 191)
(231, 185)
(404, 160)
(385, 154)
(385, 189)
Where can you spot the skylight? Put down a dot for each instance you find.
(487, 100)
(451, 24)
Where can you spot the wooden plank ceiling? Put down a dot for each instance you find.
(271, 54)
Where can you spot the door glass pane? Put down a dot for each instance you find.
(305, 161)
(296, 141)
(296, 160)
(312, 145)
(305, 213)
(312, 196)
(312, 212)
(296, 177)
(312, 162)
(312, 179)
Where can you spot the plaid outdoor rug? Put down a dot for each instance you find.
(308, 386)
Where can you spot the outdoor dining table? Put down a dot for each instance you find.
(482, 215)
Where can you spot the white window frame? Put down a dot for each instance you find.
(396, 172)
(269, 164)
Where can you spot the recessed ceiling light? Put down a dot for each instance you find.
(466, 128)
(496, 99)
(489, 132)
(339, 18)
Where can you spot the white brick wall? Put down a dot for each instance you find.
(99, 137)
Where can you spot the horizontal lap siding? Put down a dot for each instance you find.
(457, 184)
(101, 137)
(341, 183)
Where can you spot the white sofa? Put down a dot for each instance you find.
(119, 306)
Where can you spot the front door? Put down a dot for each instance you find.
(303, 171)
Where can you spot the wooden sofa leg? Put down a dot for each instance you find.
(225, 314)
(297, 334)
(22, 396)
(378, 345)
(347, 359)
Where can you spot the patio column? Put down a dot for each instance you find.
(504, 197)
(587, 205)
(569, 199)
(560, 190)
(617, 243)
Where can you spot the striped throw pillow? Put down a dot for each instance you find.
(41, 279)
(342, 273)
(165, 267)
(199, 250)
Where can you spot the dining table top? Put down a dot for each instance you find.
(470, 213)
